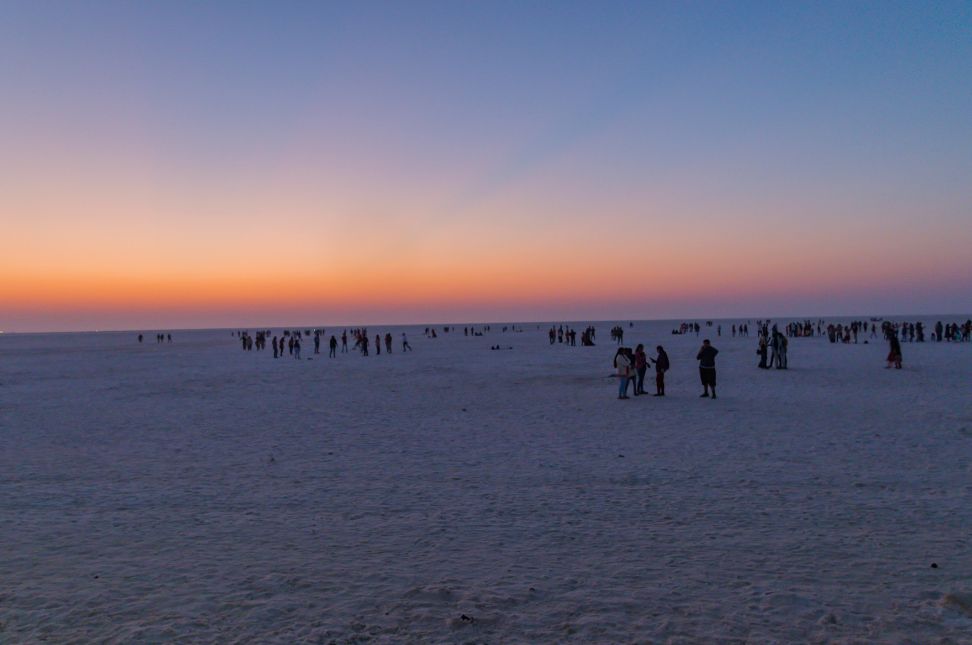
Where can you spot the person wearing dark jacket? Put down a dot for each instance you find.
(894, 356)
(661, 366)
(641, 366)
(707, 369)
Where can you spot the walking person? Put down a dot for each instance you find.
(661, 366)
(707, 368)
(333, 345)
(405, 346)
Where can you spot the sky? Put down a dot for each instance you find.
(228, 164)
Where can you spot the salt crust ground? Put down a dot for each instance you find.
(197, 493)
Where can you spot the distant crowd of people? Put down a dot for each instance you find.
(568, 336)
(159, 338)
(290, 342)
(773, 346)
(631, 365)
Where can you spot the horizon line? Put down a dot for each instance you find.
(791, 318)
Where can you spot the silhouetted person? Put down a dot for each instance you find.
(707, 368)
(641, 366)
(781, 347)
(894, 356)
(661, 366)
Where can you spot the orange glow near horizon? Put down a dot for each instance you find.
(524, 277)
(138, 250)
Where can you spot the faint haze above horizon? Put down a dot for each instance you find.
(227, 164)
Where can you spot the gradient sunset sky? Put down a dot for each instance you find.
(198, 164)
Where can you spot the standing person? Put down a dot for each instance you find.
(388, 342)
(344, 341)
(333, 345)
(405, 346)
(894, 356)
(297, 348)
(774, 347)
(275, 347)
(763, 347)
(317, 343)
(623, 365)
(378, 344)
(641, 366)
(707, 368)
(661, 366)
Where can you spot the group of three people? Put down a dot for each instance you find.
(632, 367)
